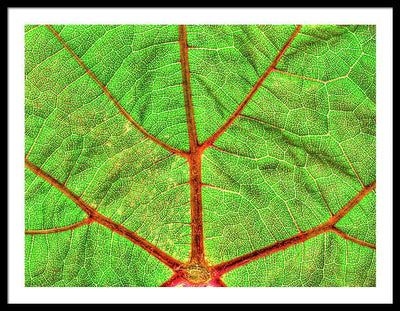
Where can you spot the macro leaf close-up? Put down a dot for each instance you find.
(200, 155)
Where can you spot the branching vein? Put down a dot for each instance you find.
(329, 225)
(255, 88)
(107, 222)
(113, 99)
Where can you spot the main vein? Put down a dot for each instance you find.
(194, 159)
(329, 225)
(187, 91)
(254, 89)
(113, 99)
(95, 216)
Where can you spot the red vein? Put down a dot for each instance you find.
(81, 223)
(114, 100)
(353, 202)
(351, 238)
(175, 280)
(107, 222)
(255, 88)
(217, 282)
(179, 279)
(187, 92)
(194, 159)
(227, 266)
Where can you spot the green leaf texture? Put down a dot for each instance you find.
(115, 121)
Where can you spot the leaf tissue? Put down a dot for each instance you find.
(200, 155)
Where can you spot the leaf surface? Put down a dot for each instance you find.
(200, 155)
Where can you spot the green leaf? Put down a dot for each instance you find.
(200, 155)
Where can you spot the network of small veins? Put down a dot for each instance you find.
(196, 272)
